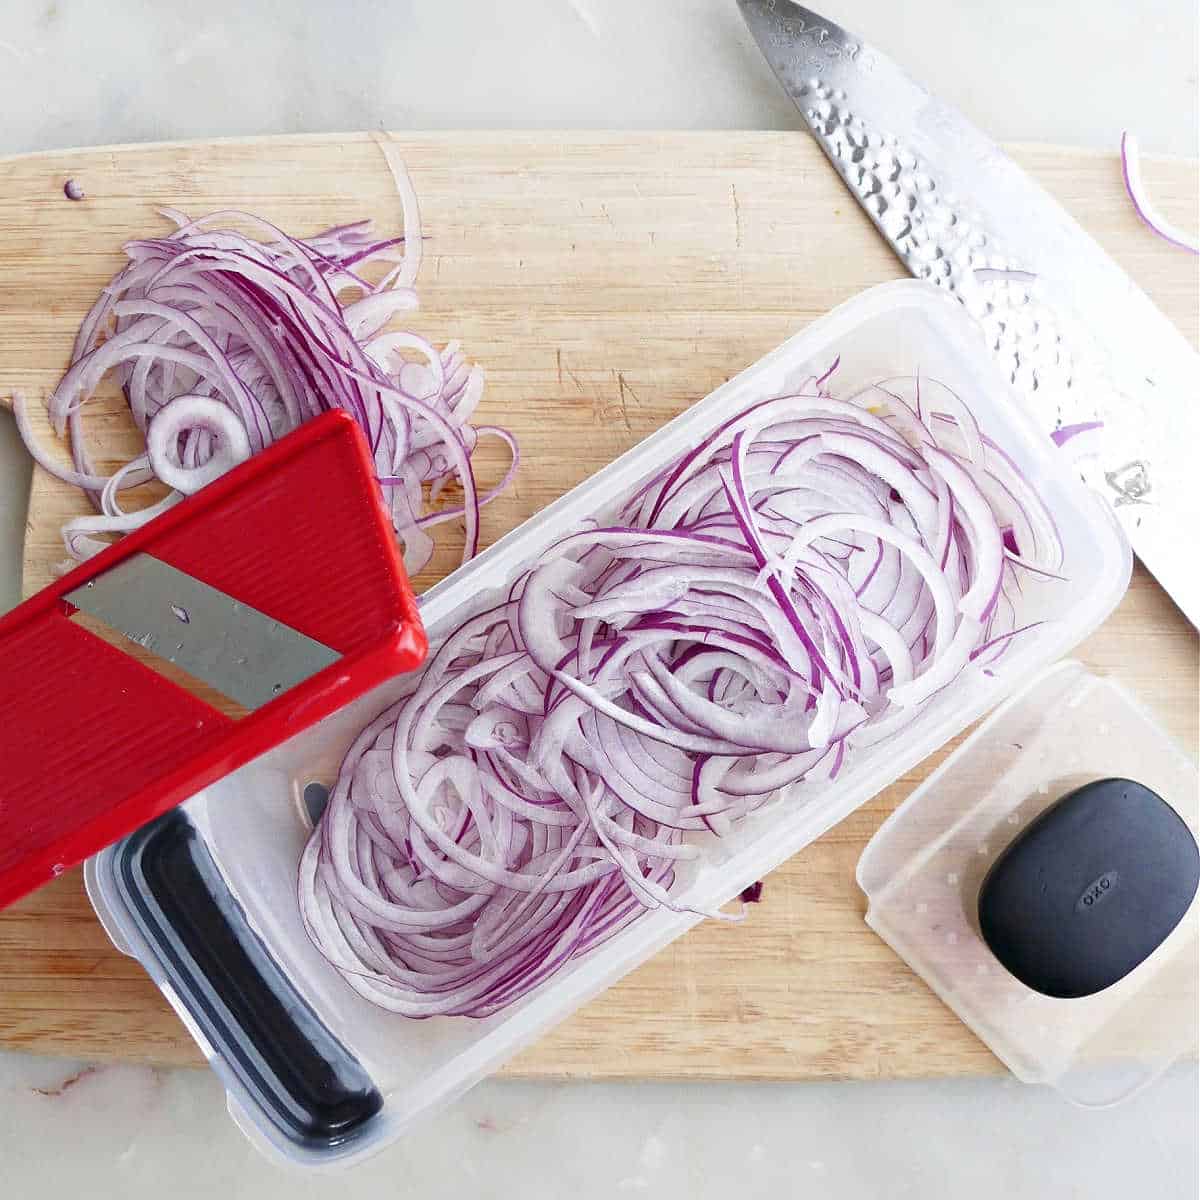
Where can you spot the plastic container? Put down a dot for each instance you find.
(923, 869)
(256, 824)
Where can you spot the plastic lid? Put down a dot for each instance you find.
(922, 871)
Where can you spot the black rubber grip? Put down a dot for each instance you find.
(313, 1088)
(1090, 889)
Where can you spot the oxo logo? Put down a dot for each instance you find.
(1097, 891)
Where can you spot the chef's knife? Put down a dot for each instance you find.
(1078, 339)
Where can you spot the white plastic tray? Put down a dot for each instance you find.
(922, 871)
(254, 818)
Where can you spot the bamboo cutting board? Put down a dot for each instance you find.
(605, 281)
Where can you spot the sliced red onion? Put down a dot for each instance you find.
(228, 333)
(1131, 172)
(790, 592)
(1065, 433)
(193, 440)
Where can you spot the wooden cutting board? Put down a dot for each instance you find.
(605, 281)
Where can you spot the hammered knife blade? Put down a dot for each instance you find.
(1077, 338)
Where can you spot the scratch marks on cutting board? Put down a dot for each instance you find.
(624, 387)
(603, 410)
(737, 216)
(564, 369)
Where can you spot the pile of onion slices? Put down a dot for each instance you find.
(789, 593)
(227, 333)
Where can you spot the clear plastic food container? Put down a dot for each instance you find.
(922, 873)
(255, 823)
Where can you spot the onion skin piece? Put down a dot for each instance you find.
(1131, 174)
(1065, 433)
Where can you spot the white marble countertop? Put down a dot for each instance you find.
(81, 72)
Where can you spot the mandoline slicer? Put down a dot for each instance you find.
(278, 586)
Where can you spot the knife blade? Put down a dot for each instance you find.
(236, 649)
(1076, 337)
